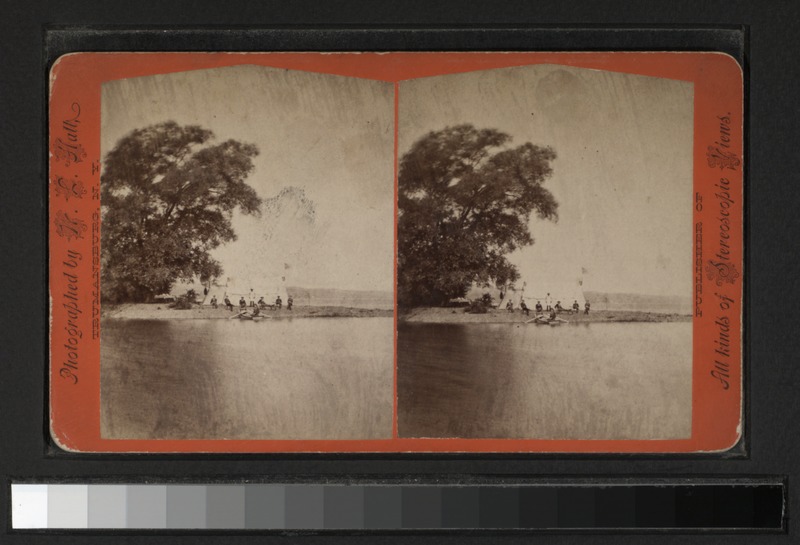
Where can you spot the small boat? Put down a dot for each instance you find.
(540, 319)
(544, 320)
(246, 316)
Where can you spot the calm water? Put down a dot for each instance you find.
(313, 378)
(589, 381)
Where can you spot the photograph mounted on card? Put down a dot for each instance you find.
(397, 252)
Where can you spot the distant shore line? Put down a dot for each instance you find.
(161, 311)
(439, 315)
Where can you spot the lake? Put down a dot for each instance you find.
(332, 378)
(574, 381)
(302, 378)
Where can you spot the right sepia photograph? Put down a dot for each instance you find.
(544, 255)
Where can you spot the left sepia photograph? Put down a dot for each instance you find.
(247, 256)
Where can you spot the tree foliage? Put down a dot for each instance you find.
(465, 200)
(168, 197)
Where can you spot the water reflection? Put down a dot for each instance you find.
(577, 381)
(315, 378)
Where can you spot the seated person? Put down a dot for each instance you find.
(559, 308)
(586, 307)
(278, 302)
(576, 307)
(524, 308)
(214, 301)
(510, 306)
(539, 307)
(289, 303)
(242, 303)
(262, 303)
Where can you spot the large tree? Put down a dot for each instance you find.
(465, 200)
(167, 197)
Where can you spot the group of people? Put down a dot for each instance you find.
(277, 305)
(257, 307)
(552, 309)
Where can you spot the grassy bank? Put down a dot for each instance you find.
(494, 316)
(159, 311)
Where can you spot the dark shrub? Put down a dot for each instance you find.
(182, 302)
(477, 307)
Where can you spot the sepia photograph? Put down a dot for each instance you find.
(247, 256)
(545, 255)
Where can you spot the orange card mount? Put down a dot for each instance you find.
(341, 252)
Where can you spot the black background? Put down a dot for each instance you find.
(771, 65)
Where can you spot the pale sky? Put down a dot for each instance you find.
(325, 168)
(622, 178)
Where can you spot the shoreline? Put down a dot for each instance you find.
(443, 315)
(161, 311)
(429, 315)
